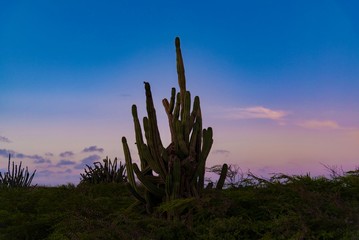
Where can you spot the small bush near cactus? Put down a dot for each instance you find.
(108, 172)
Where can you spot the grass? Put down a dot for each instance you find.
(283, 207)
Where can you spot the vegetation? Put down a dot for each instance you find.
(282, 207)
(172, 185)
(177, 171)
(108, 172)
(16, 176)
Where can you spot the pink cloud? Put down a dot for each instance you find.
(319, 124)
(257, 112)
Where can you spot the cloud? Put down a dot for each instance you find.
(318, 124)
(93, 149)
(50, 173)
(221, 151)
(66, 154)
(37, 158)
(5, 153)
(88, 161)
(257, 112)
(65, 162)
(64, 172)
(49, 154)
(44, 173)
(4, 139)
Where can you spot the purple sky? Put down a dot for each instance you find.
(278, 81)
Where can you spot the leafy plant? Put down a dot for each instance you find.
(108, 172)
(178, 170)
(16, 176)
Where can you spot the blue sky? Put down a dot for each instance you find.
(278, 80)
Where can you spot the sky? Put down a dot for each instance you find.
(278, 81)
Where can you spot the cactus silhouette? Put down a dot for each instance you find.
(16, 176)
(178, 170)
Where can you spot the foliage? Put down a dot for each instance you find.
(108, 172)
(281, 207)
(16, 176)
(176, 171)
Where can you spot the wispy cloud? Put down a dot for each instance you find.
(221, 151)
(4, 139)
(66, 154)
(93, 149)
(319, 124)
(65, 162)
(257, 112)
(88, 161)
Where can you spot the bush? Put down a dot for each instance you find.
(108, 172)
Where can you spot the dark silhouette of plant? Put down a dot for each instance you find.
(224, 171)
(16, 176)
(108, 172)
(178, 170)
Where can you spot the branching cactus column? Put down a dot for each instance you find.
(178, 170)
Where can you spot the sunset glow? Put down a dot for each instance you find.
(278, 82)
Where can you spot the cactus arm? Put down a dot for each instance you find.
(129, 169)
(207, 142)
(153, 120)
(181, 142)
(222, 177)
(195, 111)
(139, 137)
(166, 105)
(148, 184)
(180, 71)
(186, 117)
(193, 141)
(135, 193)
(207, 145)
(153, 134)
(176, 178)
(177, 106)
(172, 100)
(149, 159)
(170, 117)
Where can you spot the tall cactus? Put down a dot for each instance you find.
(176, 171)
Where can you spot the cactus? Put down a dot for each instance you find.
(16, 176)
(222, 171)
(176, 171)
(222, 177)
